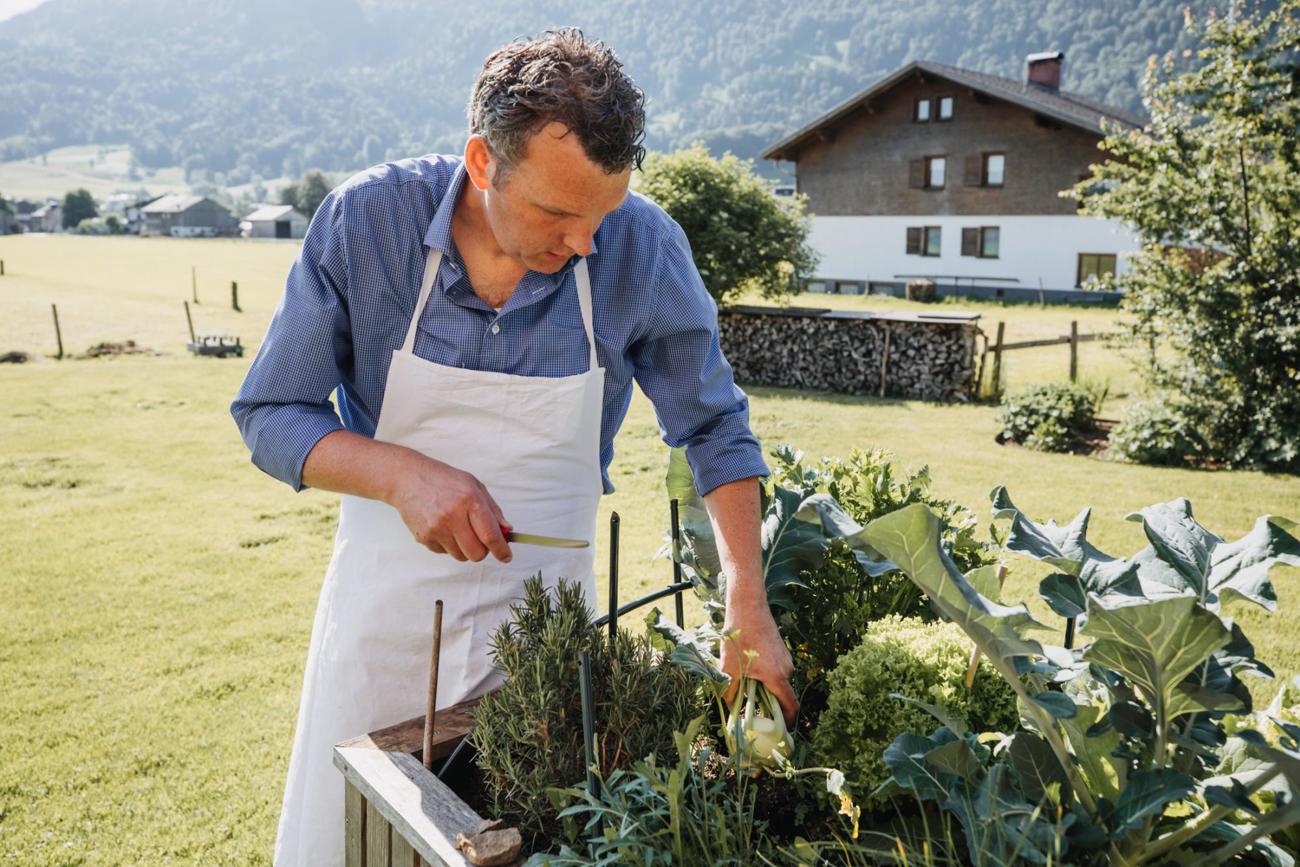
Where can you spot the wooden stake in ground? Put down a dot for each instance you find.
(234, 296)
(2, 267)
(194, 283)
(1074, 350)
(433, 686)
(190, 320)
(974, 664)
(997, 360)
(58, 333)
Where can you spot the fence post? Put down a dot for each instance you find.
(1074, 350)
(58, 333)
(234, 296)
(194, 283)
(2, 267)
(997, 361)
(190, 320)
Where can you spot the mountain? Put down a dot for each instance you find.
(236, 89)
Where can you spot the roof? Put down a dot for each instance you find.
(1059, 105)
(45, 210)
(273, 212)
(171, 204)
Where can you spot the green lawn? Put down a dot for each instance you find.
(159, 590)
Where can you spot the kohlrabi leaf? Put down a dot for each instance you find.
(699, 549)
(910, 538)
(1036, 767)
(1146, 795)
(1184, 556)
(1155, 644)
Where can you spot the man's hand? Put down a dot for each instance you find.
(733, 509)
(447, 510)
(756, 630)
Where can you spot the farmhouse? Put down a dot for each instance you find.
(953, 175)
(275, 221)
(187, 217)
(46, 218)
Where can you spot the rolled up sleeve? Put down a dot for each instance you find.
(283, 407)
(680, 366)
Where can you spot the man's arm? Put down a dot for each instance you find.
(447, 510)
(734, 511)
(680, 367)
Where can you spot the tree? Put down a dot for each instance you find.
(1212, 187)
(307, 193)
(742, 237)
(78, 205)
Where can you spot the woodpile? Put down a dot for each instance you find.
(888, 355)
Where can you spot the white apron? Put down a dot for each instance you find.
(534, 442)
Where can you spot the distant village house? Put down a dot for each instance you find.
(275, 221)
(45, 218)
(953, 175)
(187, 217)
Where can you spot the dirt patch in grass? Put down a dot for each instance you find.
(111, 349)
(15, 357)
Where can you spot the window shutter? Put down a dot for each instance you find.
(914, 240)
(970, 242)
(974, 173)
(916, 174)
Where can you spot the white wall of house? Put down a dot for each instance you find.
(1032, 248)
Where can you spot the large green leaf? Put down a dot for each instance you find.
(1004, 827)
(792, 545)
(910, 538)
(1036, 767)
(1084, 567)
(1155, 644)
(1094, 754)
(1184, 556)
(699, 549)
(1146, 795)
(689, 649)
(906, 758)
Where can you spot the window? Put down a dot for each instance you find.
(935, 169)
(945, 108)
(923, 240)
(921, 112)
(983, 242)
(1092, 266)
(994, 169)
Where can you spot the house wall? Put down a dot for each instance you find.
(862, 167)
(266, 228)
(1034, 250)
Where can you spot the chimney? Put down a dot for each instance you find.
(1044, 69)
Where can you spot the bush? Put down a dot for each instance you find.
(742, 237)
(923, 661)
(836, 603)
(529, 732)
(1048, 417)
(1153, 432)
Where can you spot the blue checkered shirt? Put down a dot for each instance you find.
(352, 291)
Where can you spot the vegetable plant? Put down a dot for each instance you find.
(1120, 756)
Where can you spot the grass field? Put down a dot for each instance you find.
(158, 590)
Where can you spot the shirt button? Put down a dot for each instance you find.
(496, 328)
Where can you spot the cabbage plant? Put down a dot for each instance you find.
(1122, 756)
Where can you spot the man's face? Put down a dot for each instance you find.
(549, 205)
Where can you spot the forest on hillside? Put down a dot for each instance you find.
(235, 90)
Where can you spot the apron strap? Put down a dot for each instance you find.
(584, 303)
(434, 260)
(431, 263)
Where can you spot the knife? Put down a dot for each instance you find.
(546, 541)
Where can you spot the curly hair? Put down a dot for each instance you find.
(561, 77)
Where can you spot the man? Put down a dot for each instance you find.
(482, 321)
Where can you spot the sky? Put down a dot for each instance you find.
(10, 8)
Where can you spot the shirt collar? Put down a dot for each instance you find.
(439, 236)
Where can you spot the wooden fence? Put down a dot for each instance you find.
(999, 346)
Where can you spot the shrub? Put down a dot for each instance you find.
(1047, 417)
(923, 661)
(1153, 432)
(836, 602)
(529, 732)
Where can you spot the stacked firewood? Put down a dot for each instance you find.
(851, 353)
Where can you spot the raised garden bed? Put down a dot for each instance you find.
(396, 812)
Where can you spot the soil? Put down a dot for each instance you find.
(110, 349)
(1091, 443)
(15, 357)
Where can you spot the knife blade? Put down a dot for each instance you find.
(546, 541)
